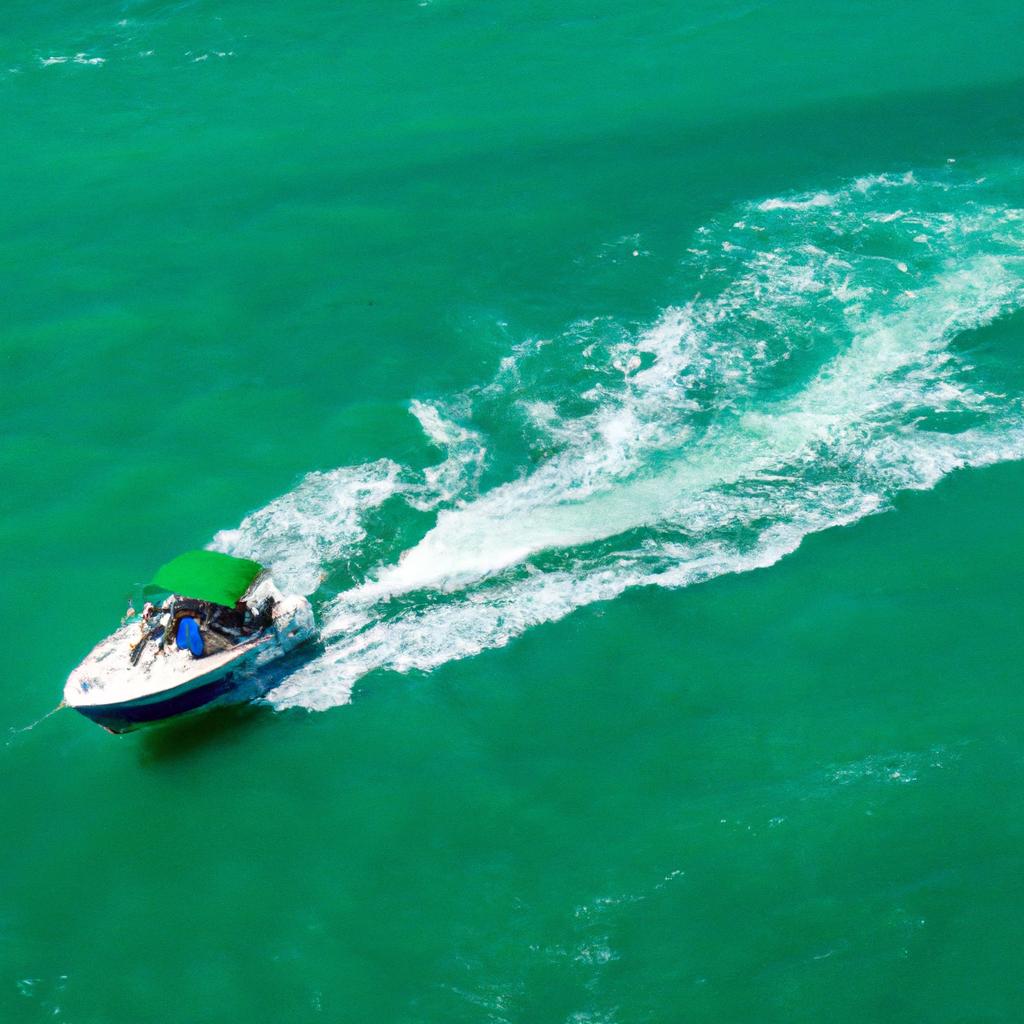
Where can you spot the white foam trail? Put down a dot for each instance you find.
(302, 532)
(577, 498)
(426, 638)
(803, 393)
(461, 467)
(818, 199)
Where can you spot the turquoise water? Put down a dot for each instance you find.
(637, 395)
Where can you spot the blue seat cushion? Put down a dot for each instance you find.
(189, 636)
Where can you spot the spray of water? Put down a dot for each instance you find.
(817, 371)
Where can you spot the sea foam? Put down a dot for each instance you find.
(806, 389)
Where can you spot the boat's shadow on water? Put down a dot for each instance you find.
(190, 733)
(231, 720)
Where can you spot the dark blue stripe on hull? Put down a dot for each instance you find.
(118, 718)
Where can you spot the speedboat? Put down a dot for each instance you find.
(206, 643)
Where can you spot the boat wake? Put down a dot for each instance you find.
(824, 363)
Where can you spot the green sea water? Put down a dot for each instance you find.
(637, 393)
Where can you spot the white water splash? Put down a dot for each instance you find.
(807, 389)
(463, 463)
(302, 532)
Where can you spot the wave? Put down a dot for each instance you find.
(818, 370)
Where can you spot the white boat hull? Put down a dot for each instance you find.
(108, 690)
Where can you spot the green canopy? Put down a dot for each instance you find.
(206, 576)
